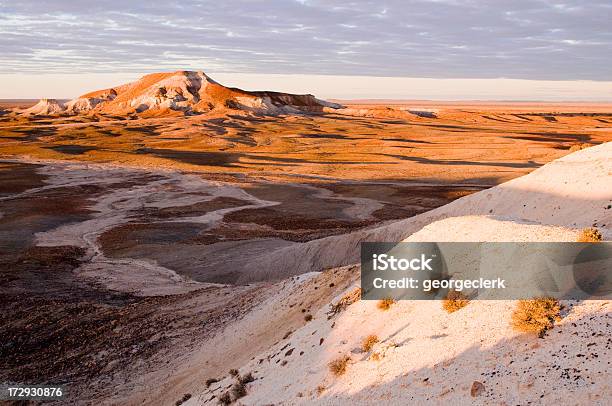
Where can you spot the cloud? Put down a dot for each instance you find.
(529, 39)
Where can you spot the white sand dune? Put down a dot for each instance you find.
(427, 356)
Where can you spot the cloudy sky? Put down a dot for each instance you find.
(538, 40)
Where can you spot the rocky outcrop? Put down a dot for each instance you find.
(90, 101)
(45, 107)
(188, 92)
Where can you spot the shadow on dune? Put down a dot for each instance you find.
(30, 134)
(72, 149)
(528, 164)
(233, 159)
(550, 137)
(407, 140)
(144, 129)
(224, 159)
(325, 135)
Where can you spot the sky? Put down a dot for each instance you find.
(413, 49)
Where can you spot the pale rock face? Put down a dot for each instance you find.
(83, 104)
(45, 106)
(177, 92)
(256, 103)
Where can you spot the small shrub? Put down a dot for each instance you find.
(320, 390)
(368, 343)
(308, 317)
(477, 389)
(244, 379)
(338, 366)
(184, 399)
(238, 390)
(589, 234)
(454, 301)
(344, 302)
(578, 147)
(233, 372)
(225, 399)
(536, 315)
(385, 304)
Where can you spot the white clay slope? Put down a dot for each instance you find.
(428, 356)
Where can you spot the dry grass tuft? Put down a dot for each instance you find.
(590, 234)
(368, 343)
(338, 366)
(578, 147)
(244, 379)
(346, 300)
(225, 399)
(385, 304)
(184, 399)
(536, 315)
(454, 301)
(238, 391)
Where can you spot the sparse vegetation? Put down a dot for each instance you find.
(536, 315)
(578, 147)
(590, 234)
(225, 399)
(386, 303)
(454, 301)
(344, 302)
(320, 390)
(477, 389)
(247, 378)
(368, 343)
(238, 390)
(338, 366)
(308, 317)
(184, 399)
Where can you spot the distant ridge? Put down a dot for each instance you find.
(188, 92)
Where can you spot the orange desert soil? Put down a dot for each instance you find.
(126, 240)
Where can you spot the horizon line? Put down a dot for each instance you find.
(387, 100)
(28, 86)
